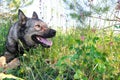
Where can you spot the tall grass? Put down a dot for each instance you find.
(87, 54)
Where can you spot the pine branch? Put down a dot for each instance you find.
(105, 19)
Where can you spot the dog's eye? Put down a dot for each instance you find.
(37, 27)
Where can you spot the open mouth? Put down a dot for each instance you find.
(45, 42)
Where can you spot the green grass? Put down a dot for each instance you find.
(87, 54)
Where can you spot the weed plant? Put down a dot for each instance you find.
(78, 54)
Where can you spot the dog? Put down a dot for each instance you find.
(27, 33)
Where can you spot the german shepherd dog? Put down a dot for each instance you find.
(25, 34)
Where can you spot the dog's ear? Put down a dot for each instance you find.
(22, 18)
(35, 15)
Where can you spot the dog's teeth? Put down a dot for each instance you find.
(38, 38)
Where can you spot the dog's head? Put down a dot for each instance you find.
(34, 31)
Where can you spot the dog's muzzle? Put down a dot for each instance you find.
(43, 39)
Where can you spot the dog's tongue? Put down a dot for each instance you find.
(45, 41)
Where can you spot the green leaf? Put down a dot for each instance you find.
(78, 41)
(117, 26)
(101, 68)
(74, 57)
(92, 50)
(95, 39)
(73, 15)
(64, 57)
(71, 6)
(78, 74)
(64, 0)
(61, 61)
(105, 9)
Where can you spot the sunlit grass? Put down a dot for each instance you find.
(86, 54)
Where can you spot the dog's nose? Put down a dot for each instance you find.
(52, 32)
